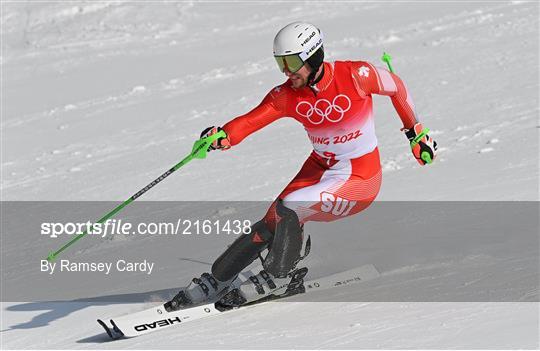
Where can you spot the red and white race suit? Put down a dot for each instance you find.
(342, 175)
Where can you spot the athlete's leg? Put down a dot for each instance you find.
(285, 249)
(246, 248)
(318, 193)
(242, 252)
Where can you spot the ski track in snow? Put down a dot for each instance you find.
(100, 98)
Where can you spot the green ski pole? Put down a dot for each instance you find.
(387, 58)
(200, 149)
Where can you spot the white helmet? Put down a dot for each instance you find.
(298, 43)
(298, 38)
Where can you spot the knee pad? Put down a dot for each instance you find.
(285, 249)
(243, 251)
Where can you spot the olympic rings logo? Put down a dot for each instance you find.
(323, 109)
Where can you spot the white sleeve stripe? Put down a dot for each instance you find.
(410, 100)
(388, 84)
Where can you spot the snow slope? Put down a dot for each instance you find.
(98, 98)
(113, 84)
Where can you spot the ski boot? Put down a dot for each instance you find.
(211, 287)
(200, 290)
(264, 287)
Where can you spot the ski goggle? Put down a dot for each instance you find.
(291, 63)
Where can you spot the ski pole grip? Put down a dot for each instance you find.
(388, 60)
(419, 137)
(201, 146)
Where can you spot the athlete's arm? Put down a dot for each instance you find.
(369, 80)
(269, 110)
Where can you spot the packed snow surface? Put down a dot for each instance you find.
(99, 98)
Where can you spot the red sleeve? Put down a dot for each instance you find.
(269, 110)
(369, 80)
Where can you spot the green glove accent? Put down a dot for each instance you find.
(416, 139)
(426, 157)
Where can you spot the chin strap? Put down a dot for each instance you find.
(311, 78)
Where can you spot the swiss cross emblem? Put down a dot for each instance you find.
(363, 71)
(277, 89)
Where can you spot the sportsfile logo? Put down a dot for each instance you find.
(157, 324)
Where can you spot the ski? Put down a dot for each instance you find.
(157, 318)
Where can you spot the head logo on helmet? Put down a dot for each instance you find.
(307, 39)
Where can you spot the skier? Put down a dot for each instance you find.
(341, 177)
